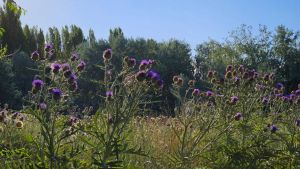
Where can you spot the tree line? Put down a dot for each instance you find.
(269, 51)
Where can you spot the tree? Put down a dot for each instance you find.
(41, 43)
(66, 43)
(92, 38)
(30, 42)
(10, 22)
(117, 43)
(287, 54)
(9, 93)
(76, 36)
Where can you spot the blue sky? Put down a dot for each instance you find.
(192, 21)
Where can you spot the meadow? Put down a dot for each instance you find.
(245, 120)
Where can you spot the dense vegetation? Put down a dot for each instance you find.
(71, 101)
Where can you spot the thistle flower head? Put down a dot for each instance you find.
(245, 75)
(292, 96)
(48, 47)
(109, 95)
(144, 64)
(285, 98)
(35, 55)
(179, 82)
(265, 100)
(73, 86)
(43, 106)
(65, 67)
(196, 92)
(228, 75)
(234, 99)
(238, 116)
(74, 56)
(209, 93)
(19, 124)
(107, 54)
(237, 80)
(229, 68)
(241, 69)
(297, 92)
(152, 74)
(56, 93)
(81, 65)
(140, 76)
(55, 67)
(67, 73)
(159, 84)
(279, 86)
(191, 83)
(273, 128)
(266, 77)
(210, 74)
(175, 79)
(298, 122)
(130, 61)
(72, 78)
(37, 84)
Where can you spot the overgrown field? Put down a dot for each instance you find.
(245, 120)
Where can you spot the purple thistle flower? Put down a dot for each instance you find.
(209, 93)
(297, 92)
(43, 106)
(292, 96)
(234, 99)
(81, 65)
(265, 100)
(65, 67)
(107, 54)
(37, 84)
(144, 64)
(241, 69)
(35, 55)
(140, 76)
(55, 67)
(72, 78)
(298, 122)
(285, 98)
(237, 80)
(151, 74)
(48, 47)
(159, 84)
(74, 56)
(279, 85)
(196, 92)
(109, 95)
(56, 93)
(238, 116)
(278, 95)
(273, 128)
(255, 75)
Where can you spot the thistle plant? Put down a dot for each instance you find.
(109, 133)
(50, 97)
(265, 132)
(196, 117)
